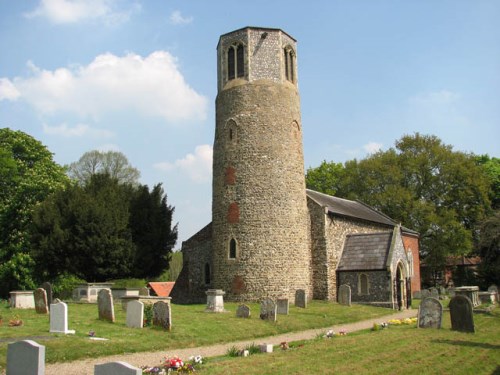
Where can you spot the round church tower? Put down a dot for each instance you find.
(260, 220)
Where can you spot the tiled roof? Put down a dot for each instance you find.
(365, 252)
(162, 289)
(345, 207)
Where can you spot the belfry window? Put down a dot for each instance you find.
(207, 273)
(289, 64)
(232, 249)
(235, 61)
(363, 286)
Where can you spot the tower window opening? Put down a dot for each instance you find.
(207, 273)
(240, 63)
(289, 64)
(232, 249)
(235, 62)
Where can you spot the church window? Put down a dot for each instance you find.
(363, 286)
(232, 249)
(289, 64)
(235, 61)
(207, 273)
(409, 254)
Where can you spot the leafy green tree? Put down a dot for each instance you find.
(489, 249)
(84, 231)
(112, 163)
(152, 231)
(325, 178)
(28, 175)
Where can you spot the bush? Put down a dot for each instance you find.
(128, 283)
(63, 285)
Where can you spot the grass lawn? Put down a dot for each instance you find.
(191, 327)
(395, 350)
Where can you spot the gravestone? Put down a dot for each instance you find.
(434, 292)
(59, 318)
(243, 311)
(430, 313)
(162, 315)
(41, 306)
(300, 298)
(116, 368)
(135, 314)
(105, 305)
(266, 348)
(268, 310)
(215, 300)
(48, 289)
(345, 295)
(425, 293)
(461, 314)
(25, 357)
(493, 288)
(144, 291)
(282, 306)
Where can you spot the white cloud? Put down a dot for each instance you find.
(150, 86)
(108, 147)
(197, 166)
(372, 147)
(7, 90)
(73, 11)
(177, 18)
(78, 130)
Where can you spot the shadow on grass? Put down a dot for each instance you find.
(468, 343)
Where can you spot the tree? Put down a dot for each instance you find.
(112, 163)
(28, 175)
(84, 231)
(325, 178)
(152, 232)
(489, 250)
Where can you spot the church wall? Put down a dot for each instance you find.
(379, 291)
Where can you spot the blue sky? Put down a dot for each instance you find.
(139, 77)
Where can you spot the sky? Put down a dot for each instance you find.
(139, 77)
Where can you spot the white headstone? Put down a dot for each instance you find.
(59, 318)
(135, 314)
(266, 348)
(116, 368)
(25, 358)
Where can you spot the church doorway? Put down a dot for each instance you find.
(400, 288)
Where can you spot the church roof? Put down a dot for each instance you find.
(348, 208)
(365, 252)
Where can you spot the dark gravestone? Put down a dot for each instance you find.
(162, 315)
(268, 310)
(345, 295)
(48, 289)
(243, 311)
(105, 305)
(430, 313)
(41, 306)
(300, 298)
(461, 313)
(282, 306)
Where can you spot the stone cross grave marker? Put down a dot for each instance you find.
(461, 313)
(300, 298)
(430, 313)
(41, 306)
(25, 357)
(105, 305)
(345, 295)
(162, 315)
(48, 289)
(268, 310)
(59, 318)
(116, 368)
(282, 306)
(243, 311)
(135, 314)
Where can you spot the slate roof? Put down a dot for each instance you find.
(365, 252)
(348, 208)
(162, 289)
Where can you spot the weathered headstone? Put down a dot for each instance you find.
(215, 300)
(282, 306)
(59, 318)
(461, 314)
(345, 295)
(268, 310)
(494, 288)
(48, 289)
(430, 313)
(105, 305)
(25, 357)
(243, 311)
(425, 293)
(116, 368)
(135, 314)
(162, 315)
(144, 291)
(434, 292)
(41, 306)
(300, 298)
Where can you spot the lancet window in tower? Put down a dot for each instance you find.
(289, 64)
(235, 61)
(207, 274)
(232, 249)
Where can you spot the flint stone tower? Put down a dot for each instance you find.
(260, 220)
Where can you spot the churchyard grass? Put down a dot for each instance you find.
(191, 327)
(402, 349)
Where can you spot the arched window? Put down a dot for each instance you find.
(363, 287)
(232, 249)
(289, 64)
(235, 61)
(409, 254)
(207, 273)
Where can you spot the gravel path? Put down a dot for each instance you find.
(86, 366)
